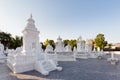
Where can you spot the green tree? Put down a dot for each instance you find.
(46, 42)
(15, 42)
(52, 43)
(110, 45)
(5, 38)
(43, 46)
(66, 42)
(100, 41)
(72, 43)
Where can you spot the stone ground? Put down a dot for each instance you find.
(88, 69)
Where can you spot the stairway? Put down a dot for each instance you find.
(48, 66)
(45, 66)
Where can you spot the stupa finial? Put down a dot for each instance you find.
(31, 15)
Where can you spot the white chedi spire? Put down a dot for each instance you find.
(49, 48)
(59, 38)
(79, 38)
(31, 15)
(30, 20)
(31, 23)
(30, 37)
(59, 45)
(68, 48)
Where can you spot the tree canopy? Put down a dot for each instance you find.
(15, 42)
(47, 41)
(8, 41)
(100, 41)
(5, 38)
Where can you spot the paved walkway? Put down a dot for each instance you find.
(89, 69)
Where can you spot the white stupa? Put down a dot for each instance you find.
(80, 45)
(59, 47)
(49, 48)
(88, 46)
(68, 48)
(30, 38)
(28, 59)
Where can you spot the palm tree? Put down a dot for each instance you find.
(16, 42)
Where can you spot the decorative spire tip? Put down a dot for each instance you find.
(31, 15)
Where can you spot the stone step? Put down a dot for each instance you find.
(48, 66)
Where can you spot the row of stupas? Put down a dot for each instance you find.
(59, 46)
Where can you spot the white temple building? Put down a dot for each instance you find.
(30, 57)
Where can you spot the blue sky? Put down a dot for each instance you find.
(67, 18)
